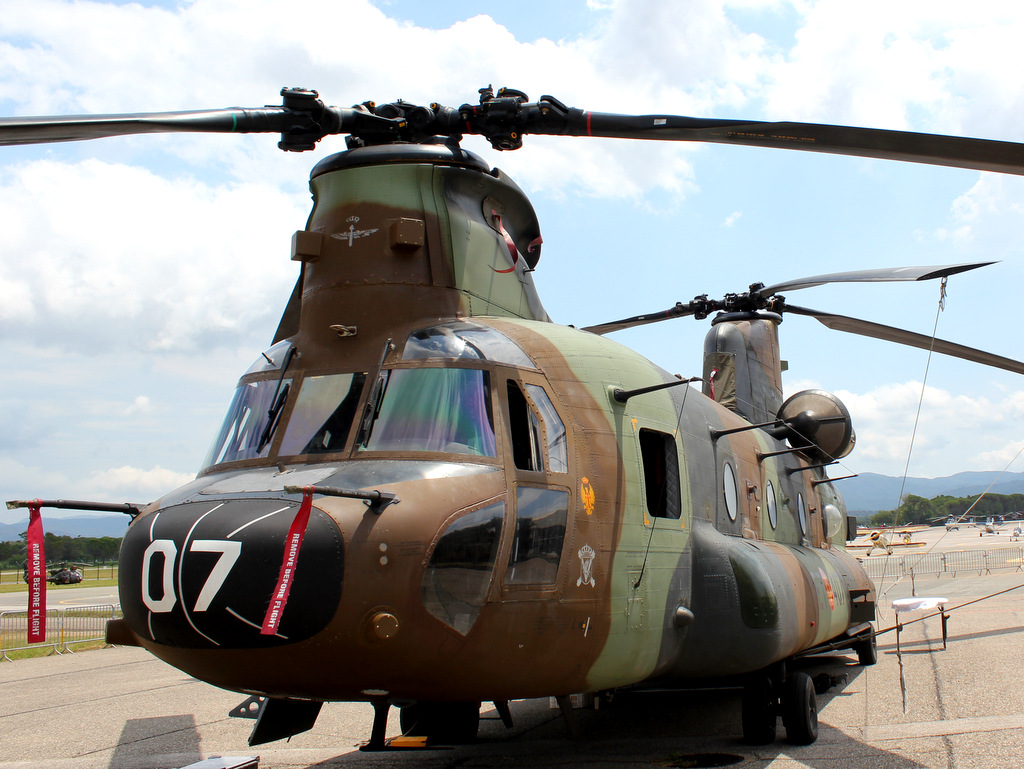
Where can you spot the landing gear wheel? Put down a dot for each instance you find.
(867, 651)
(441, 722)
(800, 709)
(760, 716)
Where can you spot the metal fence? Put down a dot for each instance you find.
(89, 573)
(64, 627)
(952, 562)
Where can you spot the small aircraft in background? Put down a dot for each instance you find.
(886, 540)
(990, 525)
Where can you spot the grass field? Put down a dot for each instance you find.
(21, 587)
(95, 577)
(90, 573)
(46, 651)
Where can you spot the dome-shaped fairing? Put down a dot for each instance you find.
(818, 422)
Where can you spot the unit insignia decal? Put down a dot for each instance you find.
(586, 554)
(828, 589)
(353, 234)
(587, 496)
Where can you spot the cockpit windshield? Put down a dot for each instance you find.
(323, 414)
(250, 418)
(433, 409)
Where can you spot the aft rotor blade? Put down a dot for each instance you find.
(909, 338)
(883, 275)
(678, 311)
(955, 151)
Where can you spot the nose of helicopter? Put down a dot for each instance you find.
(199, 575)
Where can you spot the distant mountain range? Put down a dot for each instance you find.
(865, 495)
(870, 492)
(74, 526)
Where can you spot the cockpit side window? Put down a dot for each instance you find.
(554, 430)
(243, 433)
(433, 409)
(541, 516)
(538, 433)
(525, 428)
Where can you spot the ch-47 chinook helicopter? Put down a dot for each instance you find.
(427, 494)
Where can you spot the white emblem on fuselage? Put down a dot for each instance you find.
(586, 554)
(353, 234)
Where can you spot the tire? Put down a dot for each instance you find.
(441, 722)
(760, 716)
(800, 709)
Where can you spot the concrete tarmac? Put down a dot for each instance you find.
(122, 709)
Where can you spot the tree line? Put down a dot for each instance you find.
(915, 509)
(62, 549)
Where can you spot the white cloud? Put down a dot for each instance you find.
(1007, 456)
(134, 259)
(141, 405)
(941, 67)
(989, 215)
(139, 484)
(955, 432)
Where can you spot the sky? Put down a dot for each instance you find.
(140, 276)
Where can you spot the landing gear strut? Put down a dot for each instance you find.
(441, 722)
(867, 650)
(760, 711)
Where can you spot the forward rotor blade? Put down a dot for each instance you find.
(883, 275)
(909, 338)
(679, 311)
(38, 130)
(955, 151)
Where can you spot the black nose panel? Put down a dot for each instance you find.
(202, 575)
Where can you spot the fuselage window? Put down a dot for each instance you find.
(772, 503)
(801, 513)
(541, 516)
(323, 414)
(526, 433)
(661, 473)
(729, 490)
(432, 409)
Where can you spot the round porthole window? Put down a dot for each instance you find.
(772, 504)
(801, 513)
(729, 487)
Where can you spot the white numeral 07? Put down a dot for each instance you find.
(229, 551)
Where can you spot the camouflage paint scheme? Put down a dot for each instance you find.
(411, 237)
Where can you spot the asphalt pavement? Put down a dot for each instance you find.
(963, 707)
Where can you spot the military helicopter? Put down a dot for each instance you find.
(426, 494)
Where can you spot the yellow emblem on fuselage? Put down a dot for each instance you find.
(587, 496)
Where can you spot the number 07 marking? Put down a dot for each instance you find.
(229, 551)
